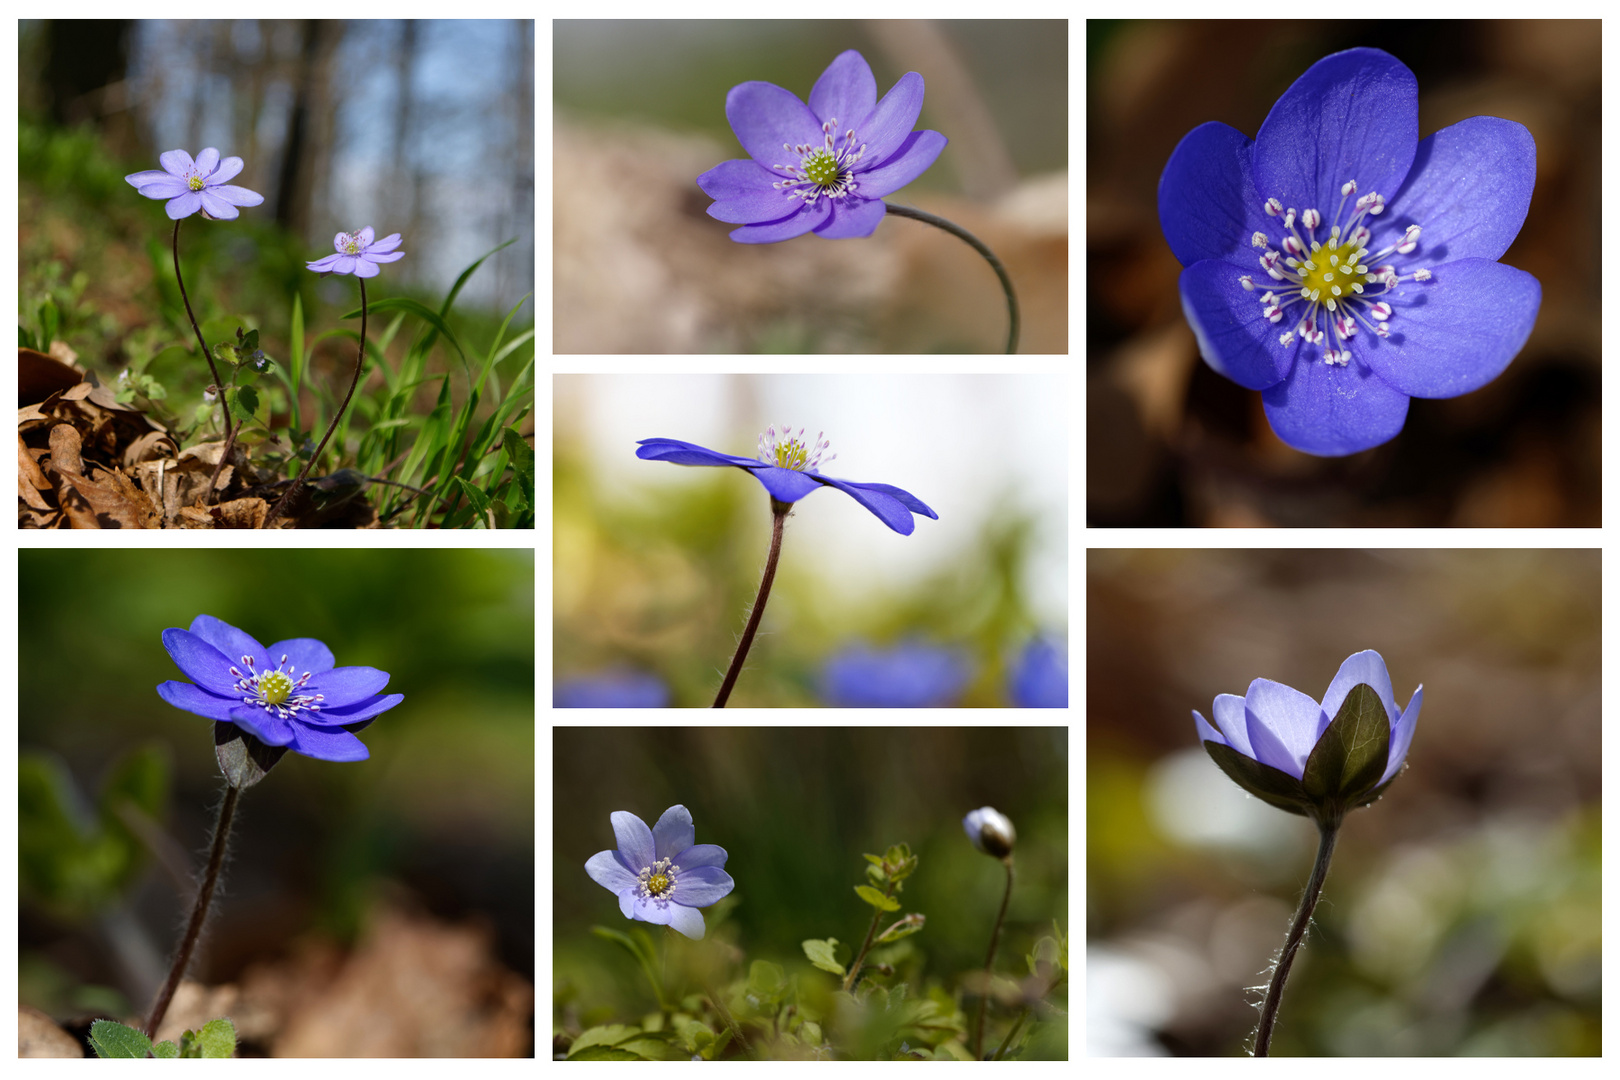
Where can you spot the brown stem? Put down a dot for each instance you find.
(219, 386)
(990, 962)
(780, 510)
(359, 362)
(199, 911)
(984, 251)
(1296, 935)
(866, 946)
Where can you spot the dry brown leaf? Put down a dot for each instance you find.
(30, 478)
(66, 450)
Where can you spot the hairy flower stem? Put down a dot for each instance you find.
(977, 245)
(199, 911)
(866, 946)
(1296, 935)
(990, 962)
(219, 386)
(780, 511)
(359, 362)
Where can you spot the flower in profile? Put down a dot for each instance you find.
(660, 875)
(1040, 677)
(991, 831)
(288, 695)
(195, 185)
(911, 675)
(822, 167)
(1340, 265)
(1317, 760)
(787, 465)
(358, 253)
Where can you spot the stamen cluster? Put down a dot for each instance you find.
(1332, 276)
(274, 688)
(658, 879)
(827, 169)
(792, 451)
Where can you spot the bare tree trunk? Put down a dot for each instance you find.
(403, 177)
(305, 161)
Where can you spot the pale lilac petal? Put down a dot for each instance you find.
(850, 220)
(186, 205)
(1400, 739)
(163, 187)
(326, 265)
(846, 91)
(1232, 717)
(702, 855)
(605, 870)
(216, 206)
(237, 196)
(674, 832)
(1284, 725)
(688, 921)
(176, 162)
(634, 839)
(1364, 667)
(386, 244)
(702, 886)
(365, 236)
(228, 168)
(372, 256)
(207, 161)
(366, 269)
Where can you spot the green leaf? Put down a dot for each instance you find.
(110, 1039)
(766, 981)
(900, 928)
(243, 400)
(822, 954)
(420, 310)
(1350, 756)
(522, 455)
(218, 1038)
(166, 1049)
(875, 860)
(603, 1036)
(876, 899)
(1262, 781)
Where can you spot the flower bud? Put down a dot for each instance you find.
(990, 831)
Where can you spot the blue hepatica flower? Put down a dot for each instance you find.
(1040, 677)
(787, 467)
(616, 688)
(822, 167)
(659, 874)
(1314, 759)
(1340, 265)
(358, 253)
(190, 186)
(911, 675)
(290, 694)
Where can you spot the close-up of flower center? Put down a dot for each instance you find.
(275, 689)
(351, 243)
(1331, 275)
(195, 182)
(658, 879)
(790, 450)
(827, 169)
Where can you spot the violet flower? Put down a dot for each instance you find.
(786, 466)
(288, 695)
(1040, 676)
(910, 675)
(660, 875)
(1318, 760)
(195, 185)
(358, 254)
(822, 167)
(1341, 266)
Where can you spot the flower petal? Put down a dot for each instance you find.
(846, 91)
(885, 501)
(228, 167)
(677, 452)
(799, 222)
(152, 176)
(1400, 737)
(1469, 189)
(884, 129)
(1232, 717)
(327, 744)
(347, 685)
(194, 699)
(366, 235)
(327, 265)
(351, 715)
(234, 643)
(201, 662)
(702, 855)
(635, 840)
(1334, 410)
(674, 832)
(1208, 205)
(689, 921)
(915, 154)
(1207, 733)
(263, 724)
(702, 886)
(852, 218)
(386, 244)
(605, 870)
(1284, 725)
(1234, 336)
(208, 161)
(216, 206)
(366, 268)
(743, 195)
(1457, 331)
(236, 196)
(373, 257)
(305, 654)
(766, 118)
(176, 162)
(186, 204)
(1351, 116)
(1364, 667)
(785, 485)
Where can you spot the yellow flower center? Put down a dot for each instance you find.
(195, 183)
(274, 687)
(658, 884)
(352, 245)
(1334, 270)
(821, 168)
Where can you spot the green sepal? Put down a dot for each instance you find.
(1264, 782)
(167, 1049)
(1349, 758)
(242, 758)
(876, 899)
(110, 1039)
(822, 954)
(217, 1038)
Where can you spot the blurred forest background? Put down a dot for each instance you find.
(655, 565)
(423, 128)
(1463, 911)
(1173, 443)
(640, 267)
(384, 906)
(795, 809)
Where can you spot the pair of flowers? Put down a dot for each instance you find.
(202, 184)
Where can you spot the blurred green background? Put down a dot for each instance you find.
(1463, 911)
(443, 810)
(795, 809)
(656, 564)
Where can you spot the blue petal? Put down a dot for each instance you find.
(194, 699)
(846, 91)
(702, 886)
(885, 128)
(351, 715)
(1400, 739)
(1284, 725)
(605, 869)
(305, 654)
(674, 832)
(797, 223)
(635, 840)
(766, 117)
(1469, 189)
(201, 662)
(1206, 732)
(743, 195)
(1364, 667)
(677, 452)
(911, 160)
(1234, 336)
(702, 855)
(785, 485)
(852, 218)
(884, 501)
(347, 686)
(1457, 331)
(234, 643)
(327, 744)
(263, 724)
(1352, 116)
(1233, 721)
(1337, 410)
(1208, 205)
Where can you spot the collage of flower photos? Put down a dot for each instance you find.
(1344, 763)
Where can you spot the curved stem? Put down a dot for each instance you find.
(1296, 935)
(866, 946)
(219, 386)
(359, 362)
(979, 246)
(199, 911)
(780, 510)
(990, 963)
